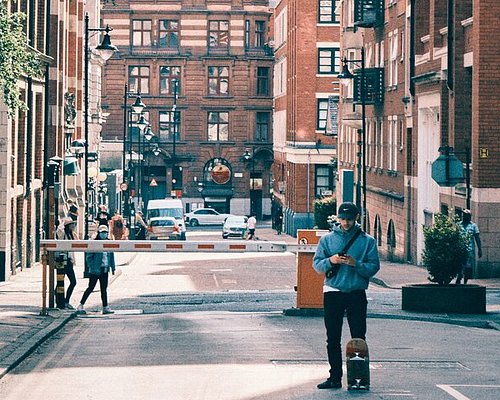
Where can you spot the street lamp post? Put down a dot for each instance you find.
(135, 108)
(174, 139)
(106, 50)
(345, 77)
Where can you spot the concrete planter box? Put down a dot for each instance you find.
(455, 299)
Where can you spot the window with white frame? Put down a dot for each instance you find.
(382, 54)
(392, 142)
(382, 145)
(280, 28)
(279, 80)
(369, 143)
(349, 13)
(321, 114)
(329, 60)
(326, 12)
(394, 57)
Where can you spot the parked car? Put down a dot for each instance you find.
(163, 228)
(234, 226)
(205, 216)
(168, 208)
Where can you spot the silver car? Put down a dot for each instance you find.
(234, 226)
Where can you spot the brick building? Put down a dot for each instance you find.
(215, 148)
(436, 60)
(307, 51)
(35, 192)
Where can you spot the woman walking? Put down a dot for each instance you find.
(99, 265)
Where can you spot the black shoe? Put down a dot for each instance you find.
(329, 384)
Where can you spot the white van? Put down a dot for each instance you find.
(168, 208)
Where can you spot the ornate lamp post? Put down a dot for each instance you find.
(105, 50)
(345, 77)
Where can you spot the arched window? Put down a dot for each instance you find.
(377, 231)
(391, 235)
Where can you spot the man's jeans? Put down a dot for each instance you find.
(336, 304)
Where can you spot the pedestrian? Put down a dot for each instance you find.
(279, 222)
(251, 225)
(140, 226)
(73, 210)
(118, 228)
(470, 228)
(349, 258)
(66, 231)
(103, 216)
(98, 266)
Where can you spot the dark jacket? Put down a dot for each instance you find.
(94, 263)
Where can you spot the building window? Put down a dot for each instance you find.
(393, 59)
(141, 32)
(218, 80)
(247, 34)
(169, 123)
(218, 126)
(260, 33)
(218, 34)
(262, 127)
(327, 11)
(329, 61)
(324, 181)
(167, 76)
(262, 81)
(138, 79)
(169, 33)
(322, 114)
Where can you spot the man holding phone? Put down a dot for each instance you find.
(349, 258)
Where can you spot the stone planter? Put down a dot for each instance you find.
(454, 299)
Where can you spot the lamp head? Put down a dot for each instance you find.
(346, 76)
(142, 123)
(106, 49)
(138, 105)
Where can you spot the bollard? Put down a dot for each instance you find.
(309, 282)
(60, 262)
(44, 283)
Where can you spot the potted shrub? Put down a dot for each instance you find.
(324, 208)
(445, 251)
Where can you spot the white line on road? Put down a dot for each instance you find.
(222, 270)
(459, 396)
(452, 392)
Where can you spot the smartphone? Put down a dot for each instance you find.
(342, 254)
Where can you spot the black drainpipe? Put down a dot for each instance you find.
(412, 47)
(46, 112)
(451, 39)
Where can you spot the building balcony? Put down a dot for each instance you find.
(368, 13)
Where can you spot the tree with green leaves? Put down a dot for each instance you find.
(16, 58)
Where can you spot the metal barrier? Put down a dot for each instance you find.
(148, 246)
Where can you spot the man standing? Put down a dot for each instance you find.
(347, 274)
(471, 228)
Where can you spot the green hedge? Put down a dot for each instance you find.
(323, 208)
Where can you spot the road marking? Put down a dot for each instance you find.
(459, 396)
(222, 270)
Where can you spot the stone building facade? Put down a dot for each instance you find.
(213, 61)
